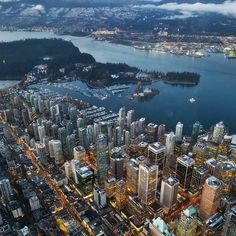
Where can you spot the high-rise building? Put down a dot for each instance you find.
(90, 134)
(118, 163)
(184, 170)
(55, 150)
(54, 129)
(170, 144)
(126, 137)
(229, 228)
(199, 177)
(100, 197)
(156, 155)
(161, 132)
(85, 179)
(6, 189)
(218, 133)
(122, 113)
(34, 203)
(132, 176)
(62, 134)
(79, 154)
(121, 194)
(42, 133)
(179, 132)
(82, 133)
(151, 132)
(70, 144)
(41, 152)
(101, 158)
(213, 167)
(97, 130)
(130, 117)
(68, 169)
(210, 198)
(117, 136)
(147, 183)
(169, 191)
(187, 225)
(110, 187)
(196, 131)
(75, 165)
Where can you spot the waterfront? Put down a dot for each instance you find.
(215, 95)
(7, 83)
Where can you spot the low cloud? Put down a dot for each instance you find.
(39, 8)
(227, 8)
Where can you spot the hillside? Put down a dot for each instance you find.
(19, 57)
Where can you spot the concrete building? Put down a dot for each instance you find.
(79, 154)
(147, 183)
(169, 191)
(6, 189)
(100, 197)
(179, 132)
(218, 133)
(184, 170)
(210, 198)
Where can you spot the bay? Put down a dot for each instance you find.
(215, 94)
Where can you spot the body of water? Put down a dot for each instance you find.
(215, 95)
(7, 83)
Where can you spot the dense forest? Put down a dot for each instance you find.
(183, 77)
(19, 57)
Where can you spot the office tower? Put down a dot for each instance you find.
(229, 228)
(147, 183)
(55, 150)
(210, 198)
(90, 134)
(69, 128)
(75, 164)
(179, 132)
(54, 129)
(117, 136)
(170, 145)
(199, 177)
(97, 130)
(199, 152)
(100, 197)
(62, 134)
(36, 132)
(121, 194)
(48, 127)
(213, 167)
(122, 113)
(218, 133)
(34, 203)
(6, 190)
(121, 123)
(156, 155)
(151, 133)
(227, 176)
(68, 169)
(42, 133)
(109, 131)
(133, 129)
(110, 187)
(79, 154)
(132, 176)
(73, 115)
(70, 144)
(187, 225)
(85, 179)
(126, 137)
(25, 117)
(169, 191)
(82, 133)
(196, 131)
(130, 117)
(161, 132)
(80, 122)
(118, 162)
(41, 152)
(184, 170)
(101, 159)
(141, 125)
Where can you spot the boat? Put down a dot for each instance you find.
(192, 100)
